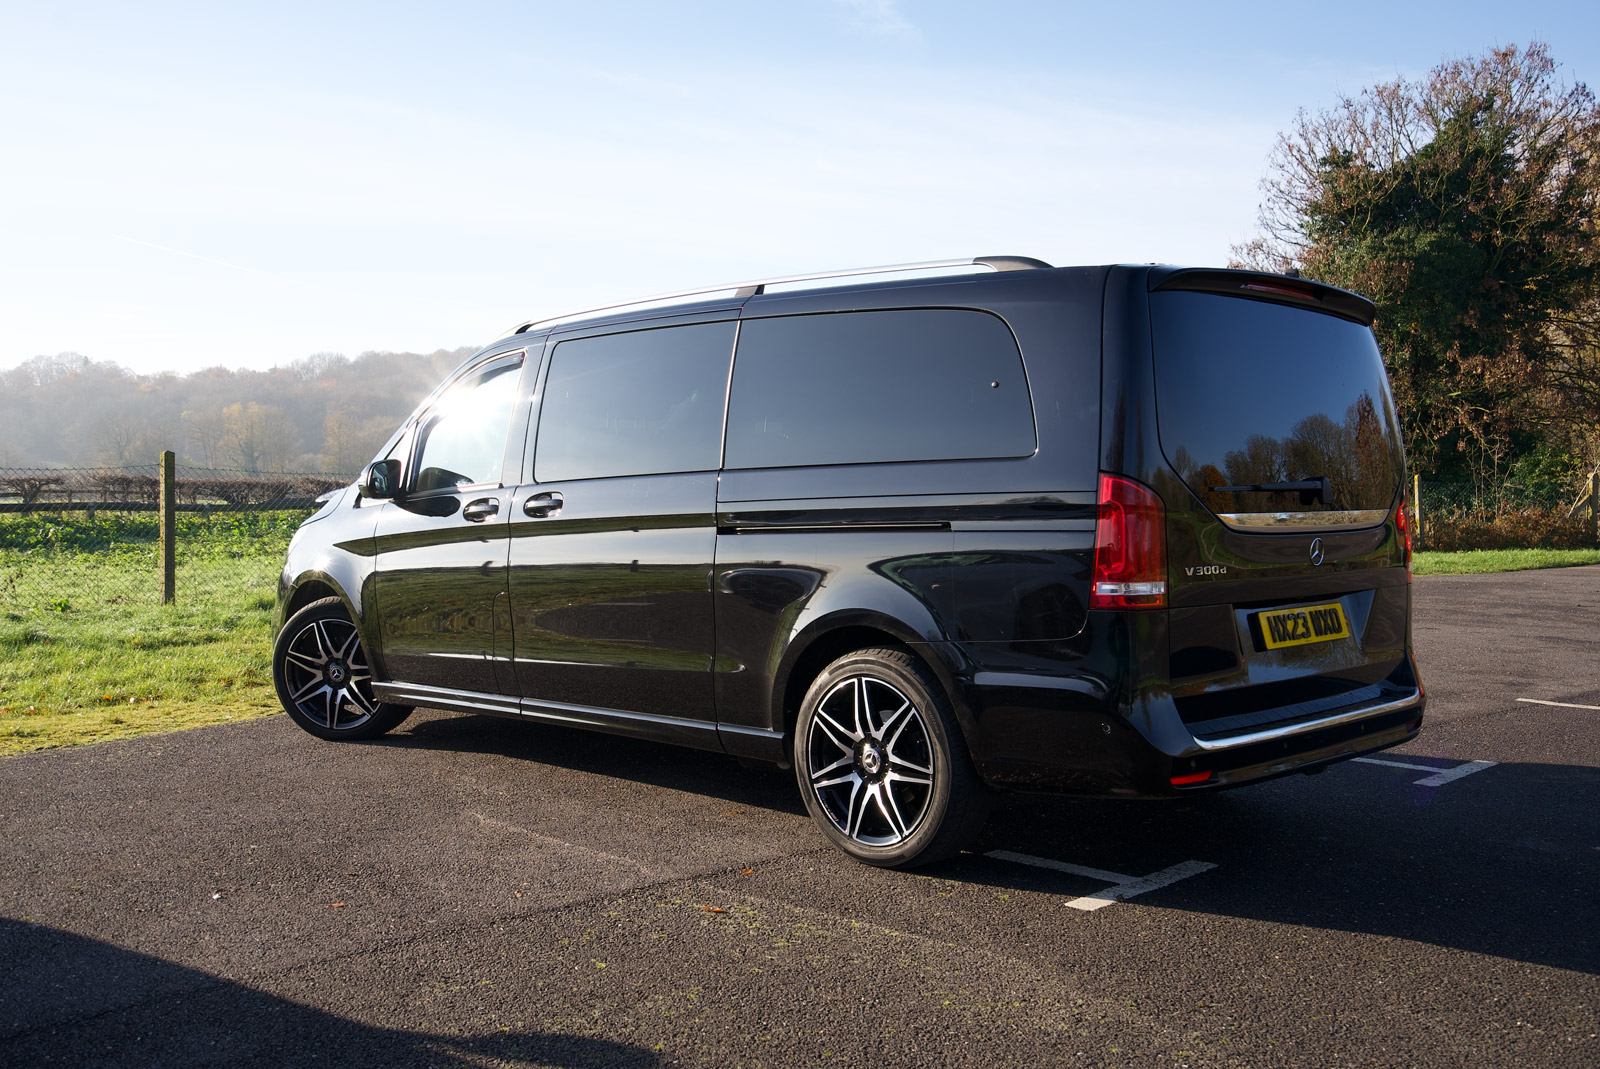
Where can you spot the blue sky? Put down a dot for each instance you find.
(185, 185)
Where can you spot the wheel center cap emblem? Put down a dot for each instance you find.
(336, 673)
(871, 760)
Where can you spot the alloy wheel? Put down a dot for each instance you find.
(328, 678)
(870, 761)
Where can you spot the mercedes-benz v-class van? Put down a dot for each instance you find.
(1126, 531)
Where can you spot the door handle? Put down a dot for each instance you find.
(481, 509)
(543, 504)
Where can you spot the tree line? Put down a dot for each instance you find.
(1466, 204)
(327, 412)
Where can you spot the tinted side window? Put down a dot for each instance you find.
(858, 387)
(642, 403)
(462, 439)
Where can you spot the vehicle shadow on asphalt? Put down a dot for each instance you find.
(1504, 862)
(71, 1000)
(676, 768)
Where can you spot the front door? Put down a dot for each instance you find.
(441, 548)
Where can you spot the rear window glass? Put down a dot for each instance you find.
(640, 403)
(864, 387)
(1250, 392)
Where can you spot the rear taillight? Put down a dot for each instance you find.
(1404, 525)
(1130, 547)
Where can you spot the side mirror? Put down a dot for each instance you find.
(381, 480)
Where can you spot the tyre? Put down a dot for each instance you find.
(324, 678)
(882, 765)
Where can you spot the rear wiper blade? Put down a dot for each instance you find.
(1320, 486)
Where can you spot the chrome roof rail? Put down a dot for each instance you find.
(751, 289)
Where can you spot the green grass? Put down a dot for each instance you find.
(1479, 561)
(87, 652)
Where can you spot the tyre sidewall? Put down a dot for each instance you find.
(898, 669)
(385, 716)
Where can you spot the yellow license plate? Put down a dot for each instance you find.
(1296, 627)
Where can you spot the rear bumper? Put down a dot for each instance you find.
(1058, 739)
(1300, 747)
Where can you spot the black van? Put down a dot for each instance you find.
(1127, 531)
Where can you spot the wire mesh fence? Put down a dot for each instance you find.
(1505, 515)
(92, 535)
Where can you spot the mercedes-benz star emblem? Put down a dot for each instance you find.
(871, 760)
(1316, 552)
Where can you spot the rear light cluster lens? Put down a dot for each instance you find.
(1190, 779)
(1404, 524)
(1282, 289)
(1130, 547)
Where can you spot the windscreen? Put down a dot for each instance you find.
(1253, 395)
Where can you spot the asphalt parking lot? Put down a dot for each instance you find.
(471, 891)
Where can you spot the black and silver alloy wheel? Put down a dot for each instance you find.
(327, 674)
(881, 763)
(324, 678)
(869, 761)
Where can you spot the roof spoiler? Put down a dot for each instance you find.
(1261, 286)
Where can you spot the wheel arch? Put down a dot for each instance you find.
(846, 632)
(314, 586)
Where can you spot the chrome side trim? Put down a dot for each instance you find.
(1306, 522)
(447, 698)
(813, 528)
(1267, 735)
(674, 729)
(606, 718)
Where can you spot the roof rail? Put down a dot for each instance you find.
(751, 289)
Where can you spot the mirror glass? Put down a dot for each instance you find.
(381, 479)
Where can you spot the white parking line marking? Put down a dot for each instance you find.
(1562, 705)
(1061, 866)
(1138, 887)
(1440, 776)
(1122, 887)
(1395, 764)
(1453, 774)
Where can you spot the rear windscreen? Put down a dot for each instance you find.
(1251, 393)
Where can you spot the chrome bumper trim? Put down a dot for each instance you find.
(1267, 735)
(1304, 522)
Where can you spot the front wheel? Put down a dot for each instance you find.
(324, 679)
(882, 765)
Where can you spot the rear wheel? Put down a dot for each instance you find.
(324, 679)
(882, 765)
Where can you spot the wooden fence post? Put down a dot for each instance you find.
(169, 503)
(1421, 538)
(1594, 508)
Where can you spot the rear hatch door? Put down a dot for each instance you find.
(1288, 580)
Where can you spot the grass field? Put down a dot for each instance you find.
(87, 652)
(1478, 561)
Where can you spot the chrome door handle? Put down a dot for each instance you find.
(543, 504)
(481, 509)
